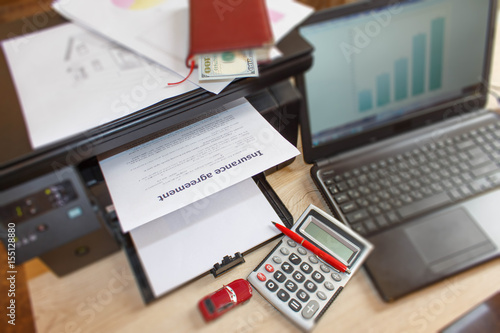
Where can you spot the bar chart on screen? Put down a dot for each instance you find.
(416, 68)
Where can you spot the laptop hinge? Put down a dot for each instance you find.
(447, 125)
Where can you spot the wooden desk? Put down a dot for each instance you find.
(103, 297)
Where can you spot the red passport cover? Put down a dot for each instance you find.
(227, 25)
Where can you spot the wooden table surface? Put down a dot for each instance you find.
(103, 297)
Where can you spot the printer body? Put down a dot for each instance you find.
(54, 202)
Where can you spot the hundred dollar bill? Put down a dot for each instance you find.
(227, 65)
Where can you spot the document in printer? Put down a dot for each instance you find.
(188, 242)
(80, 80)
(175, 169)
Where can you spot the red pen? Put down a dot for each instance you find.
(320, 253)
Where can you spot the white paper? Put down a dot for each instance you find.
(188, 242)
(69, 80)
(159, 30)
(285, 15)
(173, 170)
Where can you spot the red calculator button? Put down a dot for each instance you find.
(261, 277)
(269, 268)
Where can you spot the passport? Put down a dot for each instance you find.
(227, 25)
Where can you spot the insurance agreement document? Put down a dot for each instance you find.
(188, 163)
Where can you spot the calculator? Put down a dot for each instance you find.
(298, 283)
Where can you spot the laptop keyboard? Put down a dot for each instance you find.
(376, 196)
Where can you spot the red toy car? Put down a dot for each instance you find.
(219, 302)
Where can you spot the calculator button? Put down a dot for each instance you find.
(261, 277)
(271, 285)
(294, 259)
(306, 268)
(329, 285)
(321, 295)
(280, 277)
(291, 243)
(269, 268)
(313, 259)
(302, 251)
(336, 276)
(283, 295)
(302, 295)
(318, 277)
(310, 286)
(295, 305)
(325, 268)
(310, 309)
(284, 251)
(287, 267)
(298, 276)
(277, 259)
(290, 285)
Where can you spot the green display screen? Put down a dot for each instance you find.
(328, 241)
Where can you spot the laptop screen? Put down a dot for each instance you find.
(375, 66)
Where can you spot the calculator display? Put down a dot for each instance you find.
(328, 239)
(330, 242)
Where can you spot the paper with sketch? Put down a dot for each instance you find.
(177, 168)
(159, 29)
(80, 80)
(192, 239)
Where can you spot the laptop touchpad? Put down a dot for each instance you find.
(448, 240)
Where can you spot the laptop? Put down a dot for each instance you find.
(394, 121)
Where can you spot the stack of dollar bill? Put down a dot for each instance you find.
(227, 65)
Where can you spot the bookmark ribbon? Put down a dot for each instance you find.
(190, 72)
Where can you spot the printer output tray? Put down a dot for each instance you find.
(135, 263)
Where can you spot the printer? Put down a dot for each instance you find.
(55, 197)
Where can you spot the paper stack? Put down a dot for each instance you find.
(116, 57)
(160, 30)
